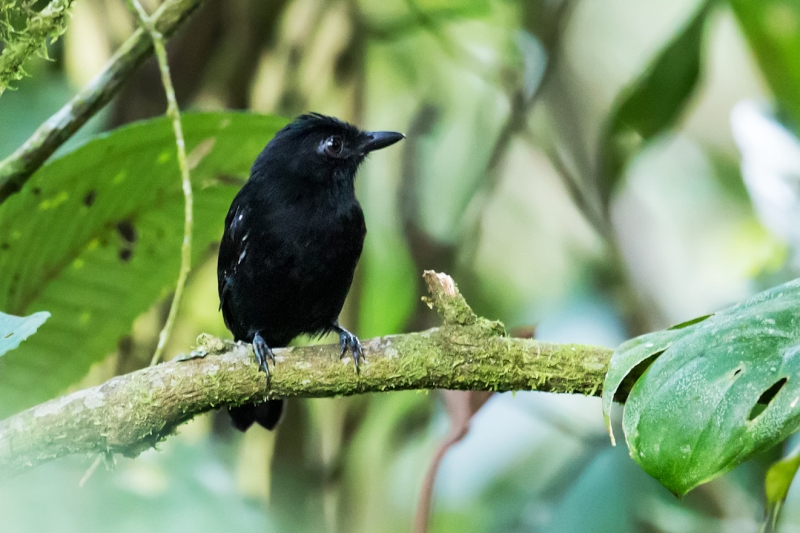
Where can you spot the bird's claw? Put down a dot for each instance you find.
(348, 341)
(263, 354)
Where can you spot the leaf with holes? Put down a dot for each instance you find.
(712, 392)
(654, 102)
(15, 329)
(95, 235)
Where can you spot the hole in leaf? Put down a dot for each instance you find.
(88, 200)
(8, 335)
(633, 376)
(766, 398)
(691, 322)
(125, 255)
(127, 231)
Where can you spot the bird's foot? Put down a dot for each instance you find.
(263, 354)
(348, 341)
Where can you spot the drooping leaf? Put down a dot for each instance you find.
(717, 392)
(626, 358)
(772, 28)
(95, 236)
(654, 102)
(15, 329)
(778, 480)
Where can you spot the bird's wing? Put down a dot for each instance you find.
(230, 251)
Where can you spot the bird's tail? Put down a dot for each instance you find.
(267, 414)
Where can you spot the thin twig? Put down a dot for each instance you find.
(461, 407)
(580, 196)
(521, 103)
(173, 112)
(423, 516)
(90, 471)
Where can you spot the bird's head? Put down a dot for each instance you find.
(320, 149)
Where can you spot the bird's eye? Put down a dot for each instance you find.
(333, 145)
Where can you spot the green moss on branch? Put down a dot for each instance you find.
(133, 412)
(48, 23)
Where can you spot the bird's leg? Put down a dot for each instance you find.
(263, 353)
(348, 341)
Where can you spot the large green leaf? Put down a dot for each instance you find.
(94, 237)
(15, 329)
(718, 391)
(652, 103)
(772, 28)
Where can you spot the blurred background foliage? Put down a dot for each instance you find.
(575, 165)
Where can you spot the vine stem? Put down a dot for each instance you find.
(173, 112)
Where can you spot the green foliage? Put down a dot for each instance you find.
(773, 29)
(717, 392)
(778, 480)
(15, 329)
(654, 102)
(12, 14)
(94, 237)
(451, 8)
(396, 18)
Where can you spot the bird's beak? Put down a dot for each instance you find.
(375, 140)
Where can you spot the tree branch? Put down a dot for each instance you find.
(19, 166)
(132, 413)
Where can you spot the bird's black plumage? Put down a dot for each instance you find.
(293, 237)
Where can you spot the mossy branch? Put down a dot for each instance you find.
(132, 413)
(50, 23)
(19, 166)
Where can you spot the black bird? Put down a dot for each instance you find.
(293, 236)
